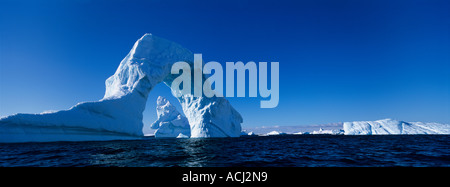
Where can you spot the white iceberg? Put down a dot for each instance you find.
(384, 126)
(245, 133)
(170, 122)
(298, 129)
(251, 134)
(275, 133)
(181, 135)
(328, 131)
(119, 114)
(389, 126)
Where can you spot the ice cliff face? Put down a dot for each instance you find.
(389, 126)
(170, 123)
(119, 113)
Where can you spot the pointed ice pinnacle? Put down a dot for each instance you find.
(119, 114)
(170, 123)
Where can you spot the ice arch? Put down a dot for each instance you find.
(120, 112)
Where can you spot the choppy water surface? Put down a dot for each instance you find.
(290, 150)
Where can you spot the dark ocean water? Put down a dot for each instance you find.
(277, 151)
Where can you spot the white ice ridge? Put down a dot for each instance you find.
(170, 123)
(274, 133)
(119, 113)
(389, 126)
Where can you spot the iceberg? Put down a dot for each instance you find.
(251, 134)
(170, 123)
(119, 113)
(298, 129)
(328, 131)
(275, 133)
(390, 126)
(181, 135)
(384, 126)
(245, 133)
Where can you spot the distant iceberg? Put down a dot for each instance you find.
(275, 133)
(181, 135)
(384, 126)
(328, 131)
(251, 134)
(299, 129)
(245, 133)
(119, 114)
(390, 126)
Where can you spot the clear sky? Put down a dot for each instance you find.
(339, 60)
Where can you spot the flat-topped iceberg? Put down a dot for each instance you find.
(275, 133)
(328, 131)
(389, 126)
(119, 114)
(384, 126)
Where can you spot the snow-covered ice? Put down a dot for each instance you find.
(300, 129)
(328, 131)
(251, 134)
(149, 63)
(275, 133)
(390, 126)
(119, 114)
(181, 135)
(245, 133)
(384, 126)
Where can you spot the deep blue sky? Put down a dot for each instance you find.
(339, 60)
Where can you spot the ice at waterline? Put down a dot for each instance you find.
(217, 78)
(119, 114)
